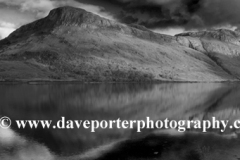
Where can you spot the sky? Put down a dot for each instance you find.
(162, 16)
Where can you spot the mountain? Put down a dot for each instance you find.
(73, 44)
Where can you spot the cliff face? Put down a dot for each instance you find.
(72, 44)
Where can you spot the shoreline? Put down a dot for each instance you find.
(32, 82)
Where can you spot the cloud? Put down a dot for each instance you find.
(170, 31)
(6, 28)
(154, 14)
(189, 14)
(42, 7)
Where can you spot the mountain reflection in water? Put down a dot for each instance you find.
(110, 102)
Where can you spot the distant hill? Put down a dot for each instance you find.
(73, 44)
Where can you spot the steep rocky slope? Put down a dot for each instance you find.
(222, 46)
(72, 44)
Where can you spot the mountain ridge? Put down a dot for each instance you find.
(69, 16)
(63, 46)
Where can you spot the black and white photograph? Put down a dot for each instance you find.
(119, 79)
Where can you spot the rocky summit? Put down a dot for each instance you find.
(71, 44)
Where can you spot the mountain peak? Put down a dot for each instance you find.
(69, 15)
(224, 35)
(66, 9)
(210, 33)
(62, 16)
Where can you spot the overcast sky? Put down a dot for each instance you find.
(164, 16)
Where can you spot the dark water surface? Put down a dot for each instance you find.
(113, 101)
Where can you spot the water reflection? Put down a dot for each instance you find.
(112, 101)
(15, 147)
